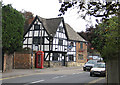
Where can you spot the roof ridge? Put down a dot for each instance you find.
(54, 18)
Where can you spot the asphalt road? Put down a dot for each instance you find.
(71, 76)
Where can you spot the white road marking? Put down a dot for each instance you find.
(64, 75)
(37, 81)
(61, 76)
(94, 81)
(74, 73)
(77, 73)
(55, 77)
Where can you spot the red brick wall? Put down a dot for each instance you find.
(8, 62)
(23, 61)
(84, 53)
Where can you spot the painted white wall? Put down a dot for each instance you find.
(30, 40)
(36, 32)
(56, 40)
(46, 41)
(46, 48)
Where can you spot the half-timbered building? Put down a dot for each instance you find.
(52, 36)
(75, 44)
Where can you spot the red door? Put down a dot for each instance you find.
(39, 59)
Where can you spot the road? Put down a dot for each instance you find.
(71, 76)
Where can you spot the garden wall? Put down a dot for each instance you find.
(23, 60)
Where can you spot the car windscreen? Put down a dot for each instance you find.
(102, 65)
(91, 62)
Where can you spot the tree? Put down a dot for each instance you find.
(107, 37)
(12, 29)
(28, 19)
(99, 8)
(88, 35)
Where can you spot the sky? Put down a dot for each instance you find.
(49, 9)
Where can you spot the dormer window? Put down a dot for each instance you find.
(60, 29)
(37, 27)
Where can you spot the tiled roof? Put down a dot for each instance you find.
(72, 35)
(52, 24)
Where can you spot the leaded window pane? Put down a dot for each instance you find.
(55, 56)
(80, 57)
(37, 27)
(81, 45)
(60, 29)
(38, 40)
(71, 57)
(60, 42)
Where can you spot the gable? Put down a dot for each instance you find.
(51, 25)
(60, 39)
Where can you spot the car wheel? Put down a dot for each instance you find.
(91, 74)
(84, 69)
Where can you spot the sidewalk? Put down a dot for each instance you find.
(18, 72)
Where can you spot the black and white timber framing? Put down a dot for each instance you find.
(56, 38)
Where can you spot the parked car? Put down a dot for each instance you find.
(98, 69)
(89, 65)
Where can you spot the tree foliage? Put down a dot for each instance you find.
(98, 9)
(88, 35)
(107, 37)
(12, 29)
(28, 19)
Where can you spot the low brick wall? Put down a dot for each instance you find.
(8, 62)
(23, 60)
(59, 64)
(52, 64)
(70, 64)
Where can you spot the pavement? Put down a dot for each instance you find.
(18, 72)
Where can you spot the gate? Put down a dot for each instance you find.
(39, 59)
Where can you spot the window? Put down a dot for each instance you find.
(80, 57)
(38, 40)
(60, 42)
(71, 57)
(81, 45)
(37, 27)
(60, 29)
(55, 56)
(35, 40)
(70, 45)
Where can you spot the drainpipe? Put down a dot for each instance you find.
(50, 48)
(32, 50)
(32, 57)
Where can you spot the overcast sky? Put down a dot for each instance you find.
(49, 9)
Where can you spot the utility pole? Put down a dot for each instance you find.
(32, 49)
